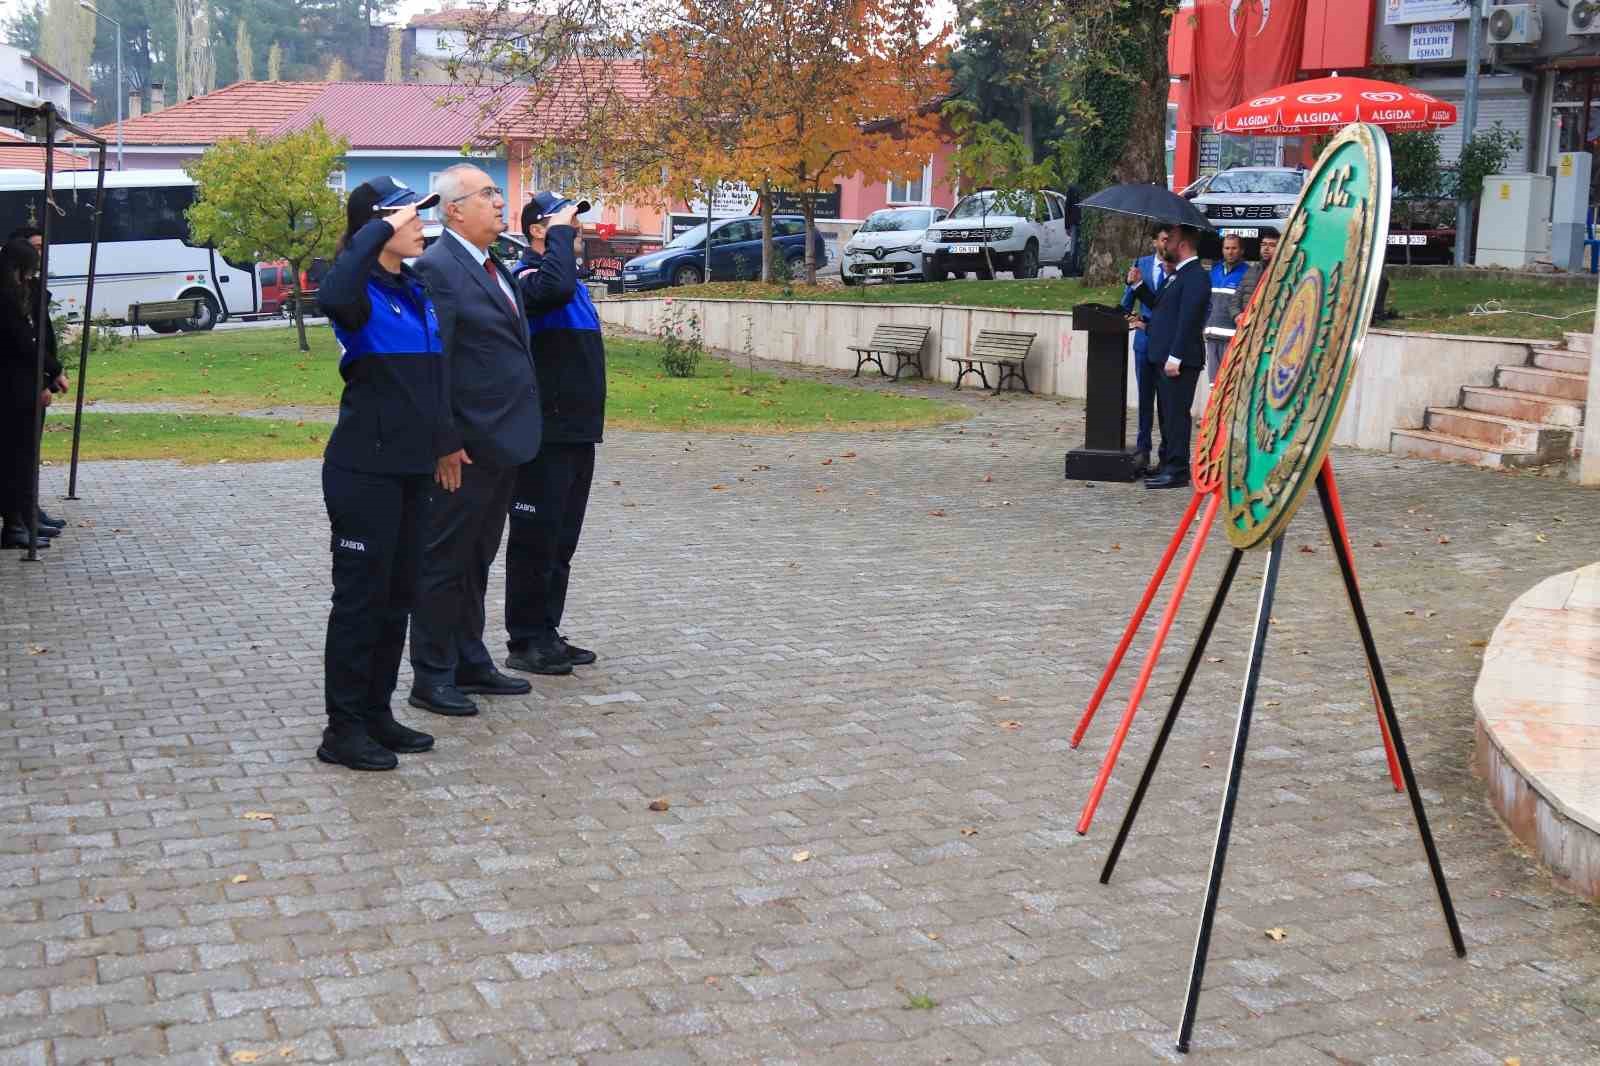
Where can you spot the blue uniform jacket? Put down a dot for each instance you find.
(394, 414)
(569, 353)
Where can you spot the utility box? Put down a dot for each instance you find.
(1514, 220)
(1569, 217)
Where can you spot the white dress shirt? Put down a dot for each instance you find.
(481, 257)
(1174, 364)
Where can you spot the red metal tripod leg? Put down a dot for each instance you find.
(1151, 657)
(1138, 616)
(1344, 535)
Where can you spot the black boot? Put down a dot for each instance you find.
(544, 657)
(383, 728)
(348, 743)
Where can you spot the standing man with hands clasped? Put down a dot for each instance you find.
(552, 491)
(1177, 351)
(494, 399)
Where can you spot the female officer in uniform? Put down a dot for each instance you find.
(394, 422)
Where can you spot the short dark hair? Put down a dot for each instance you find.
(1159, 228)
(26, 233)
(1189, 233)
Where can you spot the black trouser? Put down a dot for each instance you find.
(546, 520)
(1177, 395)
(464, 530)
(16, 461)
(379, 521)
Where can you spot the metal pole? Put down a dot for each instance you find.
(121, 106)
(1469, 124)
(1230, 796)
(88, 321)
(41, 316)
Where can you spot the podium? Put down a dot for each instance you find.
(1105, 455)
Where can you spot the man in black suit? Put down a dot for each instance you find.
(1177, 352)
(494, 400)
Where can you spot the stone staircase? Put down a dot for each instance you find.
(1531, 416)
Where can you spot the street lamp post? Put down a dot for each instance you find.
(118, 26)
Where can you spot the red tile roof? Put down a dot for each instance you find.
(17, 153)
(233, 111)
(58, 76)
(407, 116)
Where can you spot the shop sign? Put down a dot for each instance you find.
(1432, 40)
(1405, 12)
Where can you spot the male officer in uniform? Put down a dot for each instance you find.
(494, 399)
(553, 488)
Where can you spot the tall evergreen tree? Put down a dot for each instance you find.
(243, 54)
(275, 62)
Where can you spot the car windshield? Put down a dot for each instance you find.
(1271, 182)
(979, 204)
(900, 221)
(689, 238)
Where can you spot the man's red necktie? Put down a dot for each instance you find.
(494, 279)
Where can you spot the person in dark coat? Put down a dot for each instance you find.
(552, 491)
(1177, 351)
(1152, 272)
(494, 399)
(55, 374)
(20, 395)
(379, 468)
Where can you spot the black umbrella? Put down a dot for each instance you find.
(1148, 201)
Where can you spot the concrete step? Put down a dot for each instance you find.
(1561, 359)
(1426, 444)
(1525, 406)
(1555, 383)
(1497, 431)
(1580, 342)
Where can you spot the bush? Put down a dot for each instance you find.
(681, 343)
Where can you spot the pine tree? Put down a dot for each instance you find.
(392, 61)
(336, 71)
(66, 38)
(275, 62)
(244, 53)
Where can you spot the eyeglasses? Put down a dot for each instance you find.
(489, 192)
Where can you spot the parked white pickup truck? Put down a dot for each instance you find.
(991, 230)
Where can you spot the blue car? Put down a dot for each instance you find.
(735, 253)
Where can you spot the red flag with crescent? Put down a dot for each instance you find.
(1242, 49)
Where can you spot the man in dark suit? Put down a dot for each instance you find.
(494, 400)
(1177, 351)
(1151, 272)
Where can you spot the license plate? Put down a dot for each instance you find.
(631, 277)
(964, 249)
(880, 270)
(1416, 240)
(1238, 231)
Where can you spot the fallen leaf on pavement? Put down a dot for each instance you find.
(937, 513)
(259, 816)
(1478, 644)
(847, 455)
(1541, 538)
(239, 879)
(659, 805)
(1444, 540)
(1277, 934)
(1002, 699)
(719, 488)
(988, 477)
(1306, 549)
(801, 856)
(969, 832)
(245, 1056)
(37, 649)
(827, 462)
(1214, 659)
(1010, 724)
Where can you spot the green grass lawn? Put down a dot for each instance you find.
(1425, 304)
(253, 369)
(190, 438)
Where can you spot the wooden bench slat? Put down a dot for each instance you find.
(903, 342)
(1005, 349)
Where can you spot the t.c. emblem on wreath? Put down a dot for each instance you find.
(1292, 367)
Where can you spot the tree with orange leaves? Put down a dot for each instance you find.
(670, 96)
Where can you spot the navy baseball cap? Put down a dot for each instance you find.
(548, 203)
(390, 194)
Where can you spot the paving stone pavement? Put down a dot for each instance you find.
(810, 644)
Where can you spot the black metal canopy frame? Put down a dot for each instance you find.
(35, 117)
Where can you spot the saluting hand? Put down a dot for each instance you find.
(447, 469)
(567, 216)
(399, 216)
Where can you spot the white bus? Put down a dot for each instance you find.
(146, 253)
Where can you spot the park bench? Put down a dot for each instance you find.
(998, 348)
(903, 342)
(157, 313)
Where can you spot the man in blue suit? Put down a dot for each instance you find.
(494, 401)
(1151, 272)
(1176, 351)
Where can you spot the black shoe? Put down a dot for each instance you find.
(53, 523)
(575, 655)
(397, 738)
(549, 659)
(1141, 464)
(1167, 481)
(18, 538)
(442, 699)
(491, 682)
(356, 749)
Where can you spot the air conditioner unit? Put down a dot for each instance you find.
(1516, 24)
(1583, 18)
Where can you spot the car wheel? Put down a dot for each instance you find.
(206, 319)
(163, 327)
(687, 274)
(797, 267)
(1028, 263)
